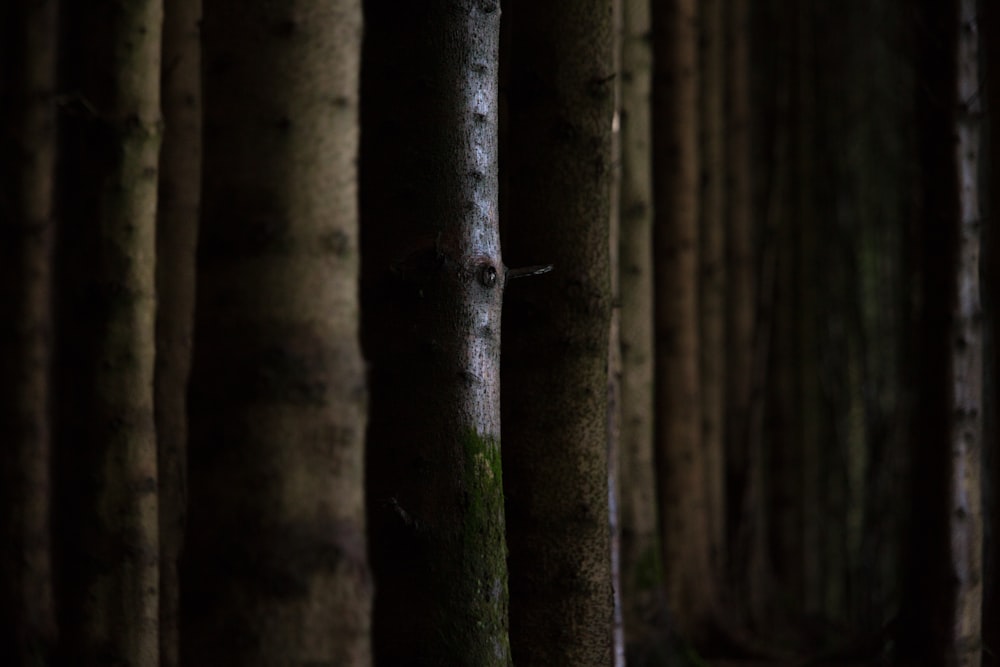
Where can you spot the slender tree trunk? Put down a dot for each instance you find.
(991, 293)
(942, 615)
(433, 285)
(712, 275)
(615, 410)
(107, 486)
(176, 235)
(27, 178)
(641, 560)
(683, 496)
(966, 344)
(744, 471)
(274, 566)
(558, 161)
(807, 218)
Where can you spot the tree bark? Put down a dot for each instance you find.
(941, 611)
(27, 179)
(966, 342)
(745, 337)
(107, 483)
(681, 458)
(176, 237)
(641, 560)
(274, 570)
(991, 294)
(558, 164)
(433, 285)
(712, 276)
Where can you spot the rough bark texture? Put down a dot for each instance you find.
(681, 460)
(107, 469)
(558, 164)
(432, 291)
(274, 567)
(176, 235)
(27, 177)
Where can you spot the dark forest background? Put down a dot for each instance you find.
(466, 332)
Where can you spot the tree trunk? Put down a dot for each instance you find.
(27, 178)
(712, 275)
(274, 567)
(615, 411)
(176, 236)
(683, 496)
(966, 344)
(941, 615)
(745, 339)
(107, 483)
(641, 559)
(558, 163)
(991, 294)
(433, 285)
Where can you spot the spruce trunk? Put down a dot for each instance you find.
(433, 284)
(274, 569)
(27, 179)
(106, 487)
(176, 236)
(681, 459)
(558, 165)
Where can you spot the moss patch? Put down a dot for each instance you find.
(484, 551)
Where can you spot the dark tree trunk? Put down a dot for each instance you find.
(558, 168)
(176, 235)
(27, 177)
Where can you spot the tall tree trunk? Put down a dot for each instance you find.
(107, 469)
(27, 178)
(641, 559)
(991, 294)
(744, 338)
(433, 285)
(558, 161)
(615, 411)
(966, 344)
(808, 437)
(274, 567)
(176, 236)
(683, 496)
(942, 615)
(712, 275)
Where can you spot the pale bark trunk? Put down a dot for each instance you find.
(107, 513)
(966, 338)
(433, 285)
(176, 236)
(558, 161)
(641, 559)
(27, 177)
(274, 569)
(942, 606)
(683, 497)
